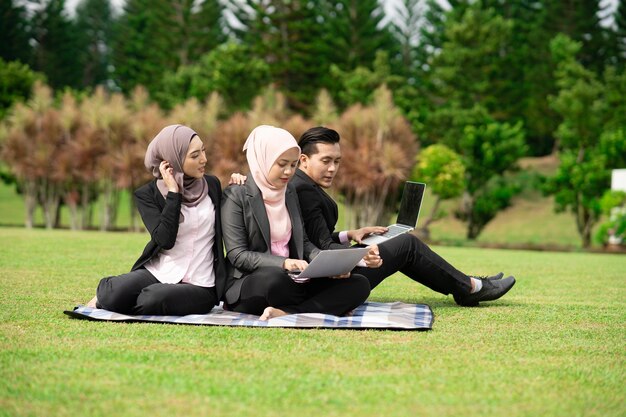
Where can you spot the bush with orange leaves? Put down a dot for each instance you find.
(379, 152)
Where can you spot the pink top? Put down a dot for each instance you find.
(191, 258)
(281, 247)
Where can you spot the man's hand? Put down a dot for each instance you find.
(373, 259)
(359, 234)
(237, 178)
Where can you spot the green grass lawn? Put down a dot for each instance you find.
(553, 347)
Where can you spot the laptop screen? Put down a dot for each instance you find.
(411, 203)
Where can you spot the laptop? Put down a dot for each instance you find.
(410, 205)
(329, 263)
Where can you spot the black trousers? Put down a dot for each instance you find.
(272, 287)
(409, 255)
(139, 292)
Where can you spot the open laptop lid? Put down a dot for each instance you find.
(411, 203)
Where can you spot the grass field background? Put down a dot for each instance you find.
(554, 346)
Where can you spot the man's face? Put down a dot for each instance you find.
(322, 166)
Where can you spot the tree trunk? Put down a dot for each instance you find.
(110, 202)
(85, 207)
(423, 230)
(51, 198)
(30, 200)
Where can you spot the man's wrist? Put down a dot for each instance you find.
(344, 236)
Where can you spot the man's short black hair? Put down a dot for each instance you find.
(320, 134)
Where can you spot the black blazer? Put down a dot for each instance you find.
(319, 212)
(161, 215)
(247, 235)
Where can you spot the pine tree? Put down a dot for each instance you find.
(406, 29)
(145, 46)
(580, 20)
(94, 21)
(15, 34)
(291, 39)
(432, 32)
(356, 32)
(527, 72)
(620, 34)
(56, 46)
(208, 29)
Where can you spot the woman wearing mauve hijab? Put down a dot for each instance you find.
(182, 268)
(264, 238)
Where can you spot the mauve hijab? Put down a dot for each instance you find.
(263, 147)
(171, 144)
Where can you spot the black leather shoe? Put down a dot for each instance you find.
(491, 290)
(497, 276)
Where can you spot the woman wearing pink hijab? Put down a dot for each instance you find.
(182, 268)
(264, 239)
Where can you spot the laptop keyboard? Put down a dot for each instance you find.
(395, 230)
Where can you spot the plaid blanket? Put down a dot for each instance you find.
(370, 315)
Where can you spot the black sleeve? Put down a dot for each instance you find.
(162, 225)
(317, 229)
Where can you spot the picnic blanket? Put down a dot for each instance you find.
(370, 315)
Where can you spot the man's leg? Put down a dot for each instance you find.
(412, 257)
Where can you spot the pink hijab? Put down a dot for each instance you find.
(171, 144)
(263, 147)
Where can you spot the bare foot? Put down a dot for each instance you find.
(271, 312)
(92, 302)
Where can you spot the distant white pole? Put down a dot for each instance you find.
(618, 180)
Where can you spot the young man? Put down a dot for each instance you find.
(319, 162)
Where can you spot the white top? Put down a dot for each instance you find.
(191, 258)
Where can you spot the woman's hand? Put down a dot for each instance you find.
(359, 234)
(167, 172)
(373, 259)
(237, 178)
(295, 264)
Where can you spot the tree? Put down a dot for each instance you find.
(443, 170)
(468, 77)
(356, 32)
(145, 44)
(591, 135)
(94, 23)
(14, 40)
(33, 144)
(325, 111)
(406, 29)
(291, 38)
(528, 72)
(227, 70)
(207, 29)
(359, 85)
(580, 20)
(620, 34)
(378, 156)
(16, 84)
(56, 46)
(489, 150)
